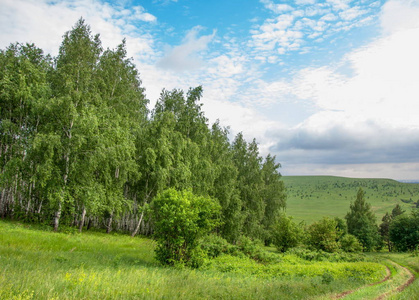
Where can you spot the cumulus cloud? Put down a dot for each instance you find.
(399, 15)
(185, 57)
(292, 27)
(44, 22)
(368, 115)
(347, 142)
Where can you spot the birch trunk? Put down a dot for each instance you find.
(83, 215)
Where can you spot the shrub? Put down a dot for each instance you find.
(318, 255)
(180, 219)
(286, 234)
(214, 246)
(404, 231)
(254, 250)
(323, 235)
(349, 243)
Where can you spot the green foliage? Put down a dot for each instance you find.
(180, 219)
(273, 194)
(78, 145)
(361, 222)
(250, 184)
(404, 231)
(385, 225)
(319, 255)
(397, 211)
(286, 233)
(323, 235)
(215, 245)
(294, 267)
(349, 243)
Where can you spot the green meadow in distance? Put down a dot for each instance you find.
(309, 198)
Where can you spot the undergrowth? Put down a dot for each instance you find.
(38, 264)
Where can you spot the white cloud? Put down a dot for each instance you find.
(141, 15)
(164, 2)
(384, 86)
(295, 27)
(339, 4)
(44, 22)
(186, 56)
(352, 13)
(400, 15)
(277, 33)
(276, 8)
(305, 2)
(366, 115)
(378, 170)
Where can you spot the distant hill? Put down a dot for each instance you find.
(309, 198)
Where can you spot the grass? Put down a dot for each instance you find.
(410, 261)
(37, 264)
(309, 198)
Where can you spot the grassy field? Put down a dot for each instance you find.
(38, 264)
(309, 198)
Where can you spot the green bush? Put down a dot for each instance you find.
(180, 220)
(404, 231)
(286, 234)
(318, 255)
(254, 250)
(349, 243)
(214, 246)
(323, 235)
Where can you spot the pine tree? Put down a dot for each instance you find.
(362, 223)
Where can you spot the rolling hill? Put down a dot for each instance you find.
(309, 198)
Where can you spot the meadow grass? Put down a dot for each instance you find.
(37, 264)
(410, 261)
(309, 198)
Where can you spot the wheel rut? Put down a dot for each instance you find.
(398, 289)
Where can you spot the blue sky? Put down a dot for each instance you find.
(328, 86)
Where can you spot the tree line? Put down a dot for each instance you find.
(399, 231)
(79, 146)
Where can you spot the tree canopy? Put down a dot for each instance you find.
(80, 146)
(362, 223)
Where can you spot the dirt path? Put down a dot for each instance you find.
(344, 294)
(401, 287)
(386, 294)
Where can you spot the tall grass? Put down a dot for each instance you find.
(37, 264)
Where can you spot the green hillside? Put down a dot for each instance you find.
(309, 198)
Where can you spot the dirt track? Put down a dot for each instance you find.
(388, 276)
(401, 287)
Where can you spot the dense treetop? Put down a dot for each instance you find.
(79, 146)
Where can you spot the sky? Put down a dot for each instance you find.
(331, 87)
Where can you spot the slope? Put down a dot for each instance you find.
(309, 198)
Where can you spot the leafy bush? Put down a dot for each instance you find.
(319, 255)
(349, 243)
(290, 267)
(254, 250)
(404, 231)
(323, 235)
(286, 234)
(215, 245)
(180, 219)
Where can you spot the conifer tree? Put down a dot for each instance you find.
(362, 223)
